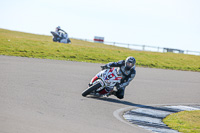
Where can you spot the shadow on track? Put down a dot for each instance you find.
(136, 105)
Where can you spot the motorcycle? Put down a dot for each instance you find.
(63, 39)
(103, 83)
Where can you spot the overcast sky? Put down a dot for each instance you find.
(164, 23)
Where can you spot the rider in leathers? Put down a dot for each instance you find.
(61, 35)
(127, 69)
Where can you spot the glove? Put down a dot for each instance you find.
(104, 67)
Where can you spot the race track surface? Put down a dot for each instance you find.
(44, 96)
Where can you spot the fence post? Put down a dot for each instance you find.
(143, 47)
(158, 49)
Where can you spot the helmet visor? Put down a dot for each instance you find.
(129, 65)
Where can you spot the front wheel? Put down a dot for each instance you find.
(90, 89)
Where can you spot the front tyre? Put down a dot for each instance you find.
(90, 89)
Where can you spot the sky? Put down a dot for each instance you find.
(163, 23)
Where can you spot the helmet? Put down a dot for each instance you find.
(58, 27)
(129, 62)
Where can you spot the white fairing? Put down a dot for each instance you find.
(63, 40)
(109, 77)
(65, 37)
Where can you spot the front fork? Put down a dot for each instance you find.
(101, 82)
(102, 90)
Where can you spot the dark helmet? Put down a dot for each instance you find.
(129, 62)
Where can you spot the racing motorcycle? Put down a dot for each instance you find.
(103, 83)
(63, 39)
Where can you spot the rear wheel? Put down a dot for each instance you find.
(90, 89)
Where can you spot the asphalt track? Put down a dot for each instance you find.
(44, 96)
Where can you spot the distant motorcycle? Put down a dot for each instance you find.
(63, 39)
(103, 83)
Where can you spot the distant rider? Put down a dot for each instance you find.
(127, 69)
(62, 35)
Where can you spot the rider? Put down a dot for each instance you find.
(60, 34)
(127, 68)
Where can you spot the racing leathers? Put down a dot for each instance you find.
(127, 76)
(61, 34)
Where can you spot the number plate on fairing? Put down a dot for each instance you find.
(111, 77)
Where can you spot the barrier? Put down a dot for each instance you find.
(141, 47)
(98, 39)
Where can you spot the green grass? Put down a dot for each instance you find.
(186, 121)
(15, 43)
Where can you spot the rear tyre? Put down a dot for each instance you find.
(90, 89)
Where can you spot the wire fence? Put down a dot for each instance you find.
(140, 47)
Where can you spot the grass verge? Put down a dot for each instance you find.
(39, 46)
(185, 121)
